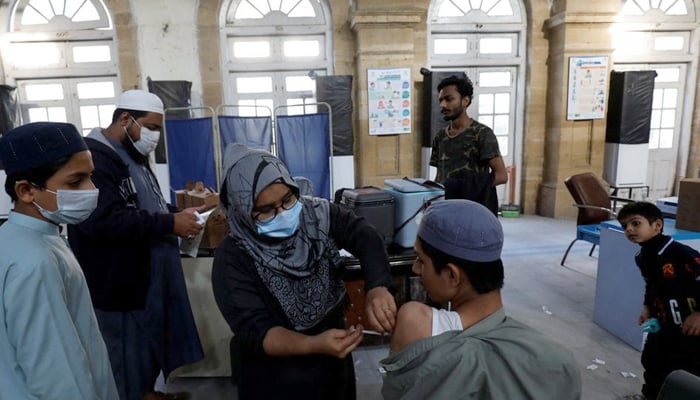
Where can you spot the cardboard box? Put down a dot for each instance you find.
(215, 230)
(196, 195)
(688, 214)
(205, 197)
(180, 199)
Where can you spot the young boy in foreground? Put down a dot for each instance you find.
(671, 271)
(50, 345)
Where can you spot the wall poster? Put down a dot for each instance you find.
(389, 100)
(588, 83)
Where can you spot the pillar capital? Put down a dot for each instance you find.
(574, 18)
(374, 19)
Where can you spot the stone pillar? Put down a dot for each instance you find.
(571, 147)
(693, 169)
(125, 35)
(209, 46)
(388, 34)
(535, 106)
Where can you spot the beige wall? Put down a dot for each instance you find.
(388, 156)
(392, 33)
(570, 146)
(125, 32)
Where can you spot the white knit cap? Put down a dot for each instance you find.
(140, 100)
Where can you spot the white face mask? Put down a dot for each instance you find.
(148, 141)
(74, 206)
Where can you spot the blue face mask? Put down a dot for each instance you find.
(73, 206)
(283, 225)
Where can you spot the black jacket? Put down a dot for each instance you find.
(474, 186)
(671, 271)
(251, 310)
(113, 245)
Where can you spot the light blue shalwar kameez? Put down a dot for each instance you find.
(50, 344)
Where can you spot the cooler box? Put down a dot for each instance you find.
(668, 205)
(376, 206)
(407, 204)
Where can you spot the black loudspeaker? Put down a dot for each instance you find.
(432, 119)
(9, 108)
(173, 94)
(336, 90)
(629, 107)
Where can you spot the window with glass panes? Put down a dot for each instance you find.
(662, 36)
(61, 55)
(486, 40)
(274, 49)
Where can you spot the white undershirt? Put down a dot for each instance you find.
(444, 321)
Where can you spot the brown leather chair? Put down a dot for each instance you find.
(593, 201)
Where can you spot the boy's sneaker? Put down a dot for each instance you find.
(633, 397)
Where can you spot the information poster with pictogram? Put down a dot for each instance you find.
(588, 83)
(389, 100)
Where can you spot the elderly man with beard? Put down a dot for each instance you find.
(129, 252)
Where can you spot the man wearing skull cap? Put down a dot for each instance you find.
(471, 349)
(50, 345)
(129, 252)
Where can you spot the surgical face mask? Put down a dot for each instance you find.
(74, 206)
(148, 141)
(283, 225)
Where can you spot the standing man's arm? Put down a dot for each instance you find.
(434, 158)
(500, 174)
(488, 150)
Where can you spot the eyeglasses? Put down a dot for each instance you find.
(267, 213)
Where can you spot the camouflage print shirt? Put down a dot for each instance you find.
(471, 150)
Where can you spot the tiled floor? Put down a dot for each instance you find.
(534, 283)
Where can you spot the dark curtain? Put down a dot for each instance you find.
(9, 109)
(173, 94)
(336, 90)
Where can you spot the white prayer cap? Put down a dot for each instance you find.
(140, 100)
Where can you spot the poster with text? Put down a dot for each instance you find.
(588, 82)
(389, 100)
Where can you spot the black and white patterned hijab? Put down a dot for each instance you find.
(298, 271)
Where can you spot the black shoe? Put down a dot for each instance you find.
(166, 396)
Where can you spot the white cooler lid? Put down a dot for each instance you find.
(410, 186)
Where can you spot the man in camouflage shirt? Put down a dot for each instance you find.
(465, 153)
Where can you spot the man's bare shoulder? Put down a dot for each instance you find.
(413, 322)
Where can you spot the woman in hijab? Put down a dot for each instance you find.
(277, 280)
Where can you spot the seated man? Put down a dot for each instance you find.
(472, 349)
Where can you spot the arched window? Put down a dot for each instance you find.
(273, 50)
(662, 35)
(658, 10)
(486, 40)
(62, 57)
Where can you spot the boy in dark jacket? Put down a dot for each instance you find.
(671, 271)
